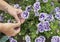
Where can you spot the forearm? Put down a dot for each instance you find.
(4, 5)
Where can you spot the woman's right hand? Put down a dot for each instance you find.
(10, 29)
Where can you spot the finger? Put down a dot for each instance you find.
(20, 11)
(17, 18)
(16, 32)
(16, 24)
(22, 20)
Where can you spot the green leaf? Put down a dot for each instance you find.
(4, 39)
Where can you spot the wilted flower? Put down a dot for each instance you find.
(52, 3)
(36, 13)
(16, 5)
(1, 18)
(25, 15)
(43, 26)
(45, 1)
(57, 9)
(37, 6)
(12, 40)
(40, 39)
(55, 39)
(42, 16)
(57, 15)
(28, 8)
(9, 21)
(27, 38)
(50, 17)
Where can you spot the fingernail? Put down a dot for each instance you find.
(16, 28)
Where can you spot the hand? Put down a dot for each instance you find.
(10, 29)
(15, 12)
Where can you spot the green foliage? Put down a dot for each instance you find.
(29, 26)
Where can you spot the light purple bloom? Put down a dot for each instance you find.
(12, 40)
(37, 6)
(28, 8)
(40, 27)
(45, 1)
(46, 26)
(57, 9)
(55, 39)
(43, 26)
(57, 15)
(50, 17)
(27, 38)
(40, 39)
(42, 16)
(25, 15)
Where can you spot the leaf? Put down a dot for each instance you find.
(4, 39)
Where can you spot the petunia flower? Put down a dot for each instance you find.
(12, 39)
(28, 8)
(46, 26)
(57, 15)
(43, 26)
(42, 16)
(57, 9)
(40, 39)
(37, 6)
(55, 39)
(27, 38)
(25, 15)
(50, 17)
(40, 27)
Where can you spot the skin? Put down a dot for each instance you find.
(9, 28)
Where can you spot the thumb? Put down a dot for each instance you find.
(17, 18)
(16, 25)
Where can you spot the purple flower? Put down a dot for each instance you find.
(25, 15)
(40, 39)
(28, 8)
(36, 13)
(57, 9)
(55, 39)
(42, 16)
(57, 15)
(12, 40)
(45, 1)
(46, 26)
(27, 38)
(40, 27)
(37, 6)
(43, 26)
(50, 17)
